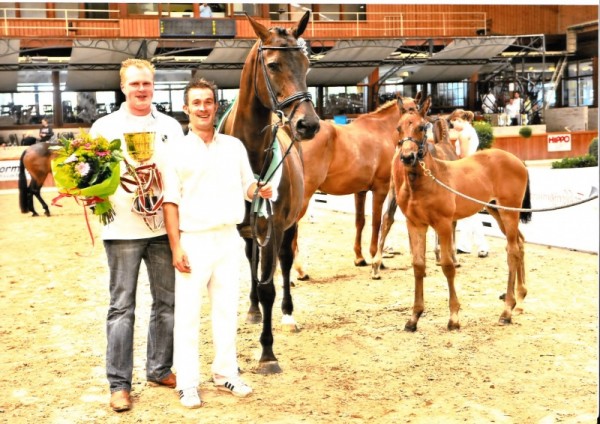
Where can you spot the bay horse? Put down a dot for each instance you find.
(273, 88)
(36, 159)
(353, 159)
(441, 148)
(490, 175)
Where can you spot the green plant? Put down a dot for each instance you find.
(525, 132)
(593, 148)
(585, 161)
(485, 133)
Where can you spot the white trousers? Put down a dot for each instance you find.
(470, 232)
(214, 258)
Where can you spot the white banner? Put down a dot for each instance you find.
(9, 170)
(559, 142)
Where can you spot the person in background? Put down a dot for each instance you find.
(488, 103)
(470, 229)
(128, 242)
(513, 111)
(205, 11)
(206, 245)
(46, 132)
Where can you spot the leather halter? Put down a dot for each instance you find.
(421, 150)
(276, 106)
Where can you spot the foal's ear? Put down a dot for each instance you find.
(261, 31)
(299, 30)
(425, 107)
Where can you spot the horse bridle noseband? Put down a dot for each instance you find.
(421, 150)
(276, 106)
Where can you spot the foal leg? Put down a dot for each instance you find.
(387, 219)
(417, 237)
(514, 256)
(521, 289)
(359, 223)
(448, 268)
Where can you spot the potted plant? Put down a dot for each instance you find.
(525, 132)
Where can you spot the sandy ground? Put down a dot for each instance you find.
(350, 363)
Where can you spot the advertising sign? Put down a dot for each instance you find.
(559, 142)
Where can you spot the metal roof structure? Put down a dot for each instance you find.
(91, 65)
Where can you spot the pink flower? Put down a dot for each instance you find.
(82, 168)
(103, 153)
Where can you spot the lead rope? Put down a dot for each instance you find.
(428, 173)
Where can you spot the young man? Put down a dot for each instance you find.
(207, 179)
(128, 241)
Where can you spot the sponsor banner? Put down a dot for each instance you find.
(559, 142)
(9, 170)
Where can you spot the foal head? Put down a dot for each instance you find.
(412, 131)
(281, 65)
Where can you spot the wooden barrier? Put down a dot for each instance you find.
(536, 146)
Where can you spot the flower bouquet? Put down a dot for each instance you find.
(88, 169)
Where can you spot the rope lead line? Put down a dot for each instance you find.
(496, 206)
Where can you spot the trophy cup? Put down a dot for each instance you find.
(143, 180)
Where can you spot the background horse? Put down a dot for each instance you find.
(273, 80)
(36, 159)
(353, 159)
(441, 148)
(489, 175)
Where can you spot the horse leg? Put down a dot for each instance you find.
(286, 259)
(36, 190)
(509, 222)
(359, 222)
(301, 275)
(444, 232)
(30, 194)
(383, 229)
(254, 316)
(267, 363)
(386, 224)
(437, 250)
(521, 289)
(417, 238)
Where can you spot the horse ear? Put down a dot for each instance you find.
(261, 31)
(418, 97)
(299, 30)
(426, 106)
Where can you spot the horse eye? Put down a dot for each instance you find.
(273, 66)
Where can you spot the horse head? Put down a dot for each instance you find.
(280, 68)
(412, 131)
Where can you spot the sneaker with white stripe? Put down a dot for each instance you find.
(189, 398)
(236, 387)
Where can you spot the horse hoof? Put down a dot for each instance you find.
(452, 326)
(289, 325)
(411, 327)
(47, 213)
(360, 262)
(376, 277)
(517, 311)
(502, 296)
(253, 318)
(504, 321)
(305, 277)
(270, 367)
(35, 214)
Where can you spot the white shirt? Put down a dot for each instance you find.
(208, 182)
(128, 225)
(469, 132)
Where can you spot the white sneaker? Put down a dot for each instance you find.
(189, 398)
(236, 387)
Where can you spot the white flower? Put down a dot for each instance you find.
(72, 158)
(302, 44)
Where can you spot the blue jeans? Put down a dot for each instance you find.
(124, 260)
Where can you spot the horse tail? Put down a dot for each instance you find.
(23, 203)
(525, 216)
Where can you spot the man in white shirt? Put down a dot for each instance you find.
(128, 241)
(208, 178)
